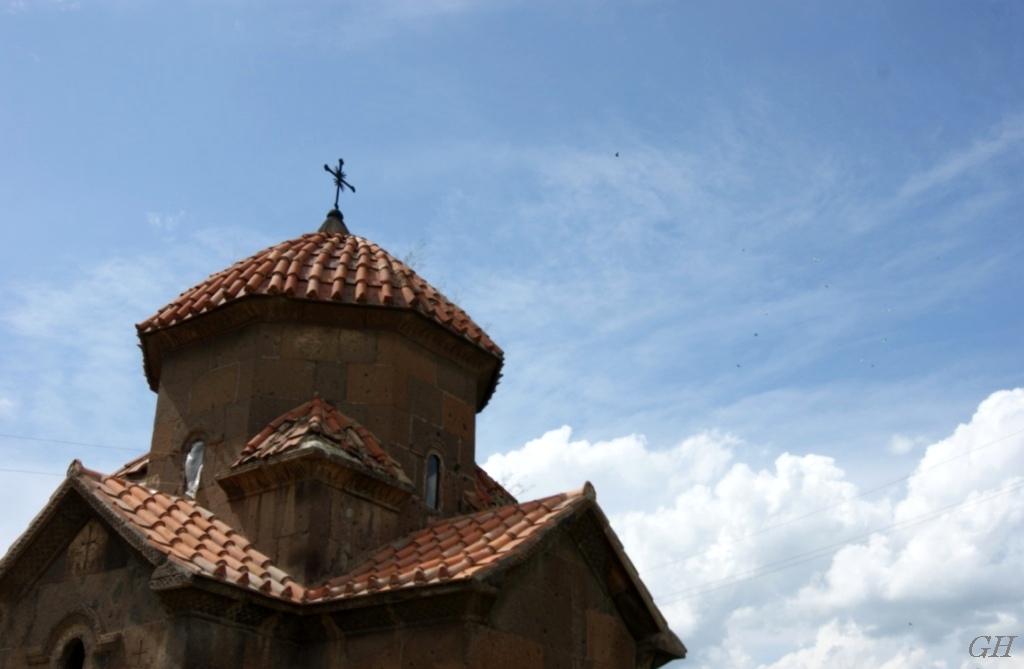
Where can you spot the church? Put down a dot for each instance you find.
(311, 498)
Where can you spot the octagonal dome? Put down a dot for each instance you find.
(326, 267)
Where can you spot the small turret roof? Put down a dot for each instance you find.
(318, 424)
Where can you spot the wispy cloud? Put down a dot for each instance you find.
(1006, 137)
(21, 6)
(363, 24)
(71, 349)
(901, 444)
(738, 266)
(164, 222)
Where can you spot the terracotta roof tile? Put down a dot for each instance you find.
(323, 267)
(486, 492)
(318, 422)
(452, 549)
(189, 535)
(135, 468)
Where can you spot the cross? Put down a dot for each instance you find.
(139, 656)
(339, 180)
(86, 554)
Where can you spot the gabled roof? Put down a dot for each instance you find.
(462, 549)
(454, 549)
(323, 267)
(191, 536)
(317, 424)
(164, 528)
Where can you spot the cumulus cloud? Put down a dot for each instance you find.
(794, 564)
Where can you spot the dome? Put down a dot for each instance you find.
(326, 267)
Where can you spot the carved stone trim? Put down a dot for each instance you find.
(82, 623)
(315, 463)
(169, 576)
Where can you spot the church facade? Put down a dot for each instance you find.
(311, 498)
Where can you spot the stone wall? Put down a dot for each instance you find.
(227, 388)
(553, 613)
(96, 590)
(317, 530)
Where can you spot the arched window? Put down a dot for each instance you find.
(73, 656)
(194, 467)
(433, 481)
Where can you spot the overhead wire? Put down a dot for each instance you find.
(30, 471)
(66, 442)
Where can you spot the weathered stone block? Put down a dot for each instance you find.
(356, 346)
(455, 380)
(501, 650)
(215, 388)
(407, 356)
(282, 378)
(370, 384)
(329, 381)
(608, 641)
(457, 417)
(425, 401)
(310, 343)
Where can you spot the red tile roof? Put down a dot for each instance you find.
(192, 537)
(318, 421)
(137, 467)
(324, 267)
(455, 548)
(487, 492)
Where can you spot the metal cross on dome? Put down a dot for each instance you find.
(339, 180)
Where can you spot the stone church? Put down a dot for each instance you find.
(311, 498)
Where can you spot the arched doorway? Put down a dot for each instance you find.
(73, 655)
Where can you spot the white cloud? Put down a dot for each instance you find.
(556, 462)
(7, 407)
(903, 577)
(847, 646)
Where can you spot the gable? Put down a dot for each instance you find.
(553, 610)
(93, 550)
(70, 539)
(578, 583)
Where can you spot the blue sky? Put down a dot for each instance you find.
(794, 227)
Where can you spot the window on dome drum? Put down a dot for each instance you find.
(433, 481)
(73, 656)
(194, 467)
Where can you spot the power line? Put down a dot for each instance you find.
(824, 551)
(31, 471)
(66, 442)
(870, 491)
